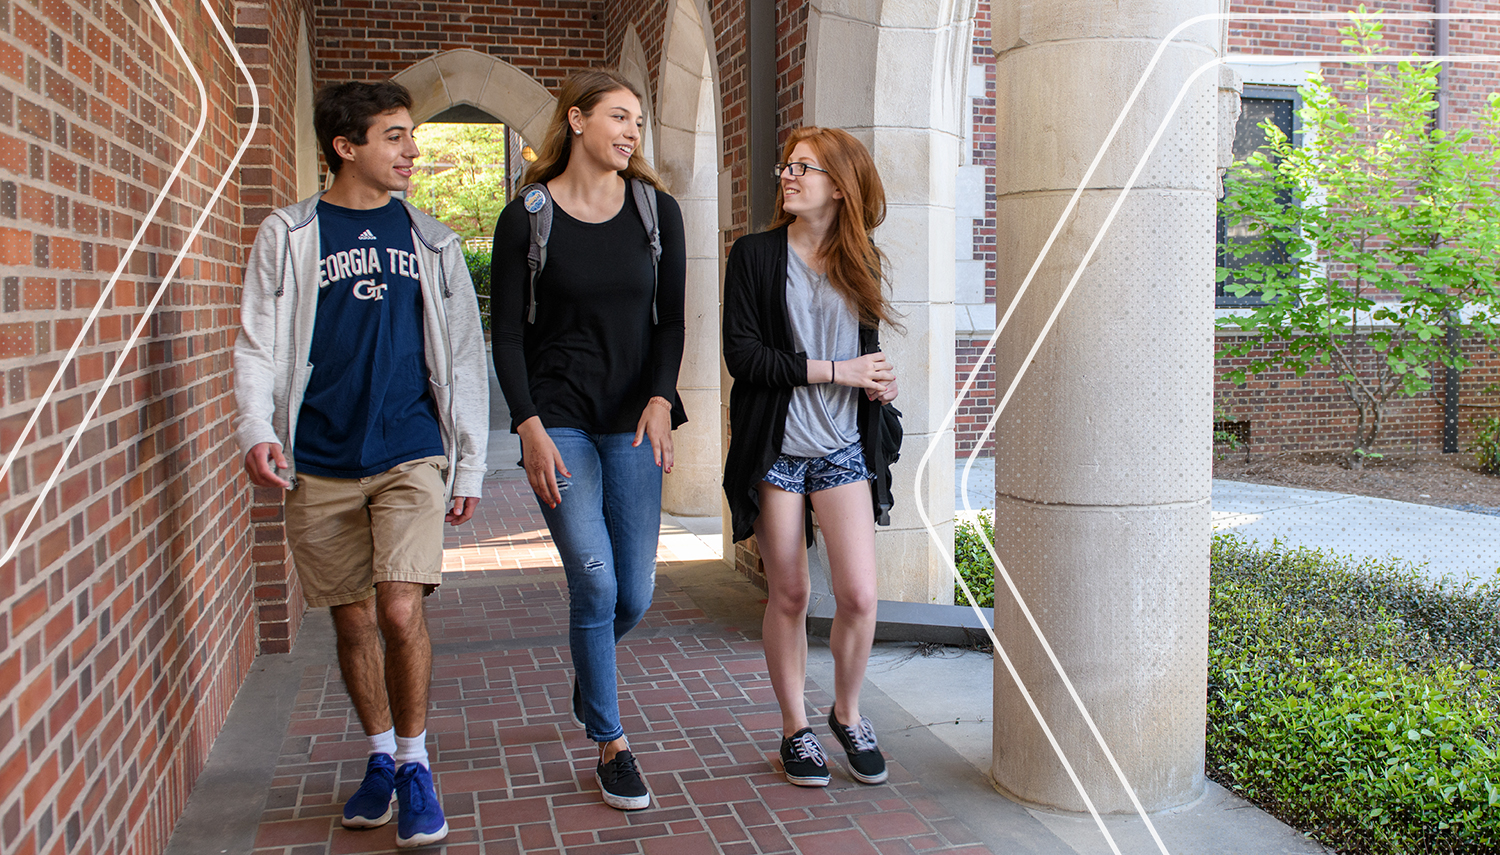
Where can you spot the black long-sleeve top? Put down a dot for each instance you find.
(762, 357)
(593, 358)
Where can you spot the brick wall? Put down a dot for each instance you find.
(650, 20)
(125, 618)
(1313, 413)
(982, 147)
(1250, 36)
(727, 22)
(1469, 84)
(975, 411)
(266, 32)
(791, 57)
(379, 38)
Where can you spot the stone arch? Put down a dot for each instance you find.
(307, 158)
(633, 67)
(468, 77)
(689, 157)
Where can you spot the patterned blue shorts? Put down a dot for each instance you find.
(815, 474)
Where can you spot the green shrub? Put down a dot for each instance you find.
(973, 560)
(479, 270)
(1355, 701)
(1486, 444)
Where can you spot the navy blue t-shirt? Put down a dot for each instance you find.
(367, 407)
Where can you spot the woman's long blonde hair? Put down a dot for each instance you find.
(856, 267)
(584, 89)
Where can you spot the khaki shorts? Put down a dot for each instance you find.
(347, 534)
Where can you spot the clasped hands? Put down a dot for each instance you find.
(871, 372)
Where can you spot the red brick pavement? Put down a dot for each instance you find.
(516, 775)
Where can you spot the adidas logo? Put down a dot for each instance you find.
(367, 235)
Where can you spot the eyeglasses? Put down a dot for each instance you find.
(798, 169)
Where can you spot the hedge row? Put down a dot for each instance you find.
(1356, 701)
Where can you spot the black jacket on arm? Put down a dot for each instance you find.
(761, 356)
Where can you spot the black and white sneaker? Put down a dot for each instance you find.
(866, 763)
(803, 760)
(621, 783)
(577, 703)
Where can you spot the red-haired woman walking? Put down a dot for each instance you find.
(802, 309)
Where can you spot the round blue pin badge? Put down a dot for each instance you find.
(534, 201)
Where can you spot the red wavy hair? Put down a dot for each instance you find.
(856, 267)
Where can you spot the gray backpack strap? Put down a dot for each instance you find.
(538, 204)
(645, 205)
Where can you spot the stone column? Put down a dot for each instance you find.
(915, 56)
(1103, 455)
(688, 157)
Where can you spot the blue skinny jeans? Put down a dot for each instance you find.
(606, 529)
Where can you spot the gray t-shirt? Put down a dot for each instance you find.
(822, 418)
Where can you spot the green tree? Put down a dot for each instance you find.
(1369, 240)
(460, 178)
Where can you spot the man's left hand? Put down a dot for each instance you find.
(463, 508)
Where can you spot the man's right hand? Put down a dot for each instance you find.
(261, 465)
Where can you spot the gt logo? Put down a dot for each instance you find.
(369, 289)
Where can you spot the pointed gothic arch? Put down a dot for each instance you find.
(467, 77)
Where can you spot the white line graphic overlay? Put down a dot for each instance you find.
(140, 233)
(1077, 275)
(187, 243)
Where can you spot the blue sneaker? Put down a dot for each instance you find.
(420, 821)
(370, 806)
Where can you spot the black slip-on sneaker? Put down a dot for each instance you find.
(803, 760)
(866, 763)
(621, 783)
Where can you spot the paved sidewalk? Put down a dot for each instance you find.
(516, 775)
(513, 771)
(1444, 543)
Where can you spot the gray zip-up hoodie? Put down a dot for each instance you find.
(278, 308)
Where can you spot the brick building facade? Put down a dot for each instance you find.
(152, 574)
(1288, 413)
(1280, 412)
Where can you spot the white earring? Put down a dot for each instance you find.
(578, 132)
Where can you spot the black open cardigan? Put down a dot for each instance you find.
(761, 356)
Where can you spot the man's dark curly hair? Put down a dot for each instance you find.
(347, 110)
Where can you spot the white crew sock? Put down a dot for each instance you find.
(411, 749)
(383, 743)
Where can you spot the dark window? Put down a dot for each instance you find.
(1258, 103)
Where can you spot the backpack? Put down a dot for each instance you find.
(538, 204)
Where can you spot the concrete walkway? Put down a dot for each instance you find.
(1445, 544)
(516, 776)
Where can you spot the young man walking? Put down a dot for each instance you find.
(362, 391)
